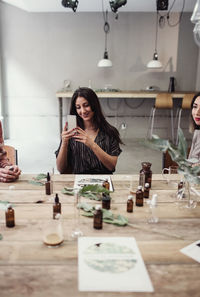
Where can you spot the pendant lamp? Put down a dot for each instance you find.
(105, 62)
(155, 63)
(195, 18)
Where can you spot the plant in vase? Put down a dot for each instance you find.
(178, 154)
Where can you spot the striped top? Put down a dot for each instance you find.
(82, 159)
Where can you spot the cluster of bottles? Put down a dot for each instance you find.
(143, 191)
(98, 214)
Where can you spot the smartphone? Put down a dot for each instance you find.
(72, 123)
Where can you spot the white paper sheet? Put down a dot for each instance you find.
(192, 250)
(82, 180)
(111, 264)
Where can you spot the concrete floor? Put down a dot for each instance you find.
(38, 156)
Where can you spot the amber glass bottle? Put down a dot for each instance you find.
(139, 197)
(98, 218)
(146, 170)
(105, 201)
(10, 216)
(130, 204)
(56, 207)
(180, 185)
(48, 186)
(106, 184)
(146, 191)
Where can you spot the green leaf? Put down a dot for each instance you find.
(88, 214)
(68, 191)
(3, 204)
(41, 176)
(94, 188)
(36, 183)
(107, 214)
(182, 144)
(85, 206)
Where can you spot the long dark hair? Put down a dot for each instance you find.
(193, 125)
(99, 120)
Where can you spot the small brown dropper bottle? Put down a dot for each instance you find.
(10, 216)
(146, 190)
(98, 217)
(56, 206)
(106, 184)
(130, 203)
(48, 185)
(139, 197)
(105, 201)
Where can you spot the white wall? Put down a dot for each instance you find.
(40, 50)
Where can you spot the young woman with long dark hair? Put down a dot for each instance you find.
(195, 128)
(92, 147)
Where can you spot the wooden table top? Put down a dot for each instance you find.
(29, 268)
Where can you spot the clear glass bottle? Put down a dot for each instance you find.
(76, 232)
(129, 204)
(106, 201)
(139, 197)
(146, 190)
(53, 232)
(10, 216)
(56, 206)
(98, 217)
(153, 209)
(146, 170)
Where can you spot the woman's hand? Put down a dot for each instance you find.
(66, 135)
(9, 173)
(83, 137)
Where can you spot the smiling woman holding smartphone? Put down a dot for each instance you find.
(93, 146)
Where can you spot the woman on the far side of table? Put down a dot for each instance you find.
(195, 127)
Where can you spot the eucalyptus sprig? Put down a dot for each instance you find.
(178, 154)
(92, 192)
(4, 204)
(108, 216)
(39, 180)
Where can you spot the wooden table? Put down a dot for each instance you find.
(29, 268)
(113, 95)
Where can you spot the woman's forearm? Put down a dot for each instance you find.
(61, 160)
(108, 161)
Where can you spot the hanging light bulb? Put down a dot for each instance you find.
(105, 62)
(155, 63)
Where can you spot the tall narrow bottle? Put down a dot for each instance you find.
(105, 201)
(139, 197)
(98, 218)
(48, 186)
(10, 216)
(146, 190)
(130, 204)
(56, 207)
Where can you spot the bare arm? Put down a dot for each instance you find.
(108, 161)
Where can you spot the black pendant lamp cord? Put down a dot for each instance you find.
(106, 29)
(156, 32)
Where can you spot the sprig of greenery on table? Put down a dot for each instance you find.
(108, 216)
(178, 154)
(38, 180)
(92, 192)
(4, 204)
